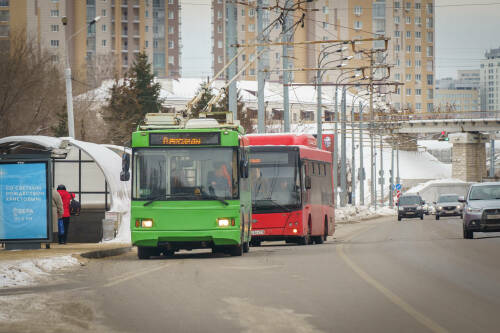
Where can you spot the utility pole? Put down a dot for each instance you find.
(492, 158)
(231, 41)
(398, 180)
(353, 159)
(261, 127)
(391, 197)
(336, 149)
(286, 102)
(361, 173)
(372, 152)
(343, 176)
(381, 171)
(318, 110)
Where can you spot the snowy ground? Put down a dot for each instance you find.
(357, 213)
(19, 273)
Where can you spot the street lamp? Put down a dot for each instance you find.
(67, 74)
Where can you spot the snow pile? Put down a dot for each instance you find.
(358, 213)
(26, 272)
(421, 187)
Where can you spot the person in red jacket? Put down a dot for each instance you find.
(66, 199)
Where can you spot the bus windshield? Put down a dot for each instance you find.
(185, 173)
(275, 180)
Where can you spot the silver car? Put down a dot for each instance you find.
(448, 205)
(482, 209)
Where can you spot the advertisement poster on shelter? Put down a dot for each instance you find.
(23, 201)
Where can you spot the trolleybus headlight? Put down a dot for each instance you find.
(147, 223)
(223, 222)
(294, 231)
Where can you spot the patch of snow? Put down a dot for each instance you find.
(356, 213)
(16, 273)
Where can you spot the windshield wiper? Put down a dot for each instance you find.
(208, 196)
(277, 204)
(158, 197)
(166, 196)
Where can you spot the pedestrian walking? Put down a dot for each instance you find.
(66, 199)
(57, 209)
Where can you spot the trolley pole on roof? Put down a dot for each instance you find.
(318, 110)
(381, 172)
(391, 191)
(285, 75)
(261, 126)
(231, 41)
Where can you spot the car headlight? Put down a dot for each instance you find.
(473, 210)
(440, 207)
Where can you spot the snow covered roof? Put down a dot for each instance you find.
(184, 89)
(107, 160)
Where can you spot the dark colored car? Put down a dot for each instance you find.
(410, 206)
(482, 209)
(448, 205)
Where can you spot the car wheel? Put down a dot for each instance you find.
(468, 234)
(399, 217)
(437, 217)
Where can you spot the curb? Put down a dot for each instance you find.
(105, 253)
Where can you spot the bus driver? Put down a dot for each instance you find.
(220, 181)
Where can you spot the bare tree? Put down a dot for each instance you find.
(31, 88)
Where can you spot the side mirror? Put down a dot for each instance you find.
(307, 182)
(244, 168)
(461, 199)
(125, 173)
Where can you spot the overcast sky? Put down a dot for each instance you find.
(463, 34)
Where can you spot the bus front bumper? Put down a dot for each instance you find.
(187, 239)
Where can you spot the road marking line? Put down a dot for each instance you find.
(420, 317)
(128, 276)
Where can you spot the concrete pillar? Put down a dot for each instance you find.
(468, 156)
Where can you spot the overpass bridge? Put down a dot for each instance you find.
(468, 132)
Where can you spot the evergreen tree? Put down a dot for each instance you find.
(130, 99)
(207, 94)
(61, 130)
(148, 92)
(243, 115)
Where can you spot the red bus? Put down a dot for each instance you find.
(292, 189)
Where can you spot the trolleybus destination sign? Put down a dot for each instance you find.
(184, 139)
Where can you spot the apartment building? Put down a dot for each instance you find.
(409, 24)
(490, 81)
(124, 28)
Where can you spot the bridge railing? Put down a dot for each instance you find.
(457, 115)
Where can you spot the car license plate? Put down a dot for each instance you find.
(258, 232)
(410, 213)
(493, 216)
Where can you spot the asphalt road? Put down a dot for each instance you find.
(378, 276)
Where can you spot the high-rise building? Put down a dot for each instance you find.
(124, 28)
(490, 81)
(461, 94)
(410, 52)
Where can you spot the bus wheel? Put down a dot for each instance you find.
(255, 242)
(144, 252)
(237, 250)
(169, 253)
(246, 247)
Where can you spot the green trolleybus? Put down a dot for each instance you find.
(190, 186)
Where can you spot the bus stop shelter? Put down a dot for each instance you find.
(92, 172)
